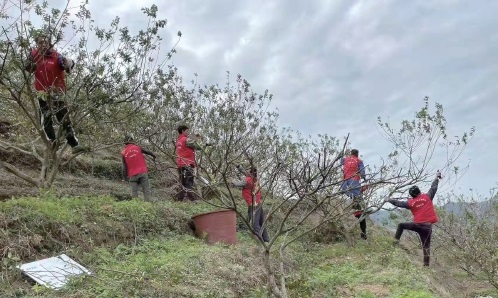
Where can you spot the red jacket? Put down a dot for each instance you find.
(185, 156)
(353, 168)
(134, 159)
(422, 209)
(49, 73)
(247, 193)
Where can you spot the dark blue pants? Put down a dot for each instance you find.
(258, 218)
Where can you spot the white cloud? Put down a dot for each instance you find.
(334, 66)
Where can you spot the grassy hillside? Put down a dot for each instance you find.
(98, 173)
(138, 249)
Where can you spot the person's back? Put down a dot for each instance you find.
(352, 167)
(353, 171)
(422, 209)
(134, 167)
(135, 161)
(424, 215)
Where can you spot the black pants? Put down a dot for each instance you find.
(48, 108)
(424, 230)
(186, 176)
(357, 205)
(258, 218)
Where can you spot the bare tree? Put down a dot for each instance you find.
(469, 228)
(300, 177)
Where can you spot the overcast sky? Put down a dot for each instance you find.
(334, 66)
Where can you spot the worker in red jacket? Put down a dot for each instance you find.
(185, 161)
(135, 169)
(424, 215)
(49, 68)
(251, 192)
(353, 171)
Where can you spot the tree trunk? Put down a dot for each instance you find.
(270, 274)
(283, 285)
(17, 172)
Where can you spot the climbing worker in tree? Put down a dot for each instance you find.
(251, 193)
(185, 161)
(424, 215)
(353, 171)
(135, 168)
(49, 68)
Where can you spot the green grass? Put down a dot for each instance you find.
(179, 266)
(139, 249)
(371, 269)
(31, 228)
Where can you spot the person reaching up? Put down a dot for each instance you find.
(49, 68)
(424, 215)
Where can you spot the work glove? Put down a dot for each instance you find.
(438, 175)
(31, 67)
(68, 64)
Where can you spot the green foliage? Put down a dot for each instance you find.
(414, 294)
(417, 140)
(48, 223)
(149, 253)
(366, 270)
(179, 266)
